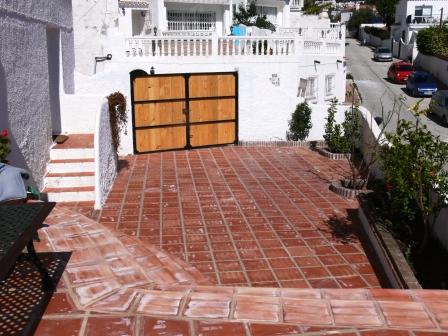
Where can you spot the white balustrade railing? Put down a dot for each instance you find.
(169, 46)
(244, 46)
(256, 46)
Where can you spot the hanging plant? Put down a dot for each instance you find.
(4, 145)
(118, 117)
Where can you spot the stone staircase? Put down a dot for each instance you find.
(71, 171)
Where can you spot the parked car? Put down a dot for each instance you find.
(400, 71)
(421, 83)
(382, 54)
(439, 104)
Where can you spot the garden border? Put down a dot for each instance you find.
(393, 263)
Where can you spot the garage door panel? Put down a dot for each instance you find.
(212, 134)
(155, 88)
(163, 138)
(212, 109)
(212, 85)
(162, 113)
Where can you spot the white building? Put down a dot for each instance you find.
(302, 60)
(414, 15)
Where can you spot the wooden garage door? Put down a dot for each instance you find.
(184, 111)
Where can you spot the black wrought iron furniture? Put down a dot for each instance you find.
(18, 226)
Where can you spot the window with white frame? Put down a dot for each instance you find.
(329, 85)
(270, 12)
(179, 20)
(422, 11)
(308, 88)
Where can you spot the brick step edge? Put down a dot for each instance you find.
(73, 189)
(72, 161)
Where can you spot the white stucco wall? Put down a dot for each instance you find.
(264, 109)
(437, 66)
(79, 113)
(94, 22)
(105, 156)
(25, 83)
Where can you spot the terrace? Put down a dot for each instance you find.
(186, 236)
(287, 42)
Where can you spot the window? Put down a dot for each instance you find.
(191, 21)
(421, 11)
(308, 88)
(329, 85)
(270, 12)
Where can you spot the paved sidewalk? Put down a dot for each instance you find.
(244, 216)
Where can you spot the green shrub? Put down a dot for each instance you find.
(433, 41)
(381, 33)
(363, 15)
(340, 138)
(300, 123)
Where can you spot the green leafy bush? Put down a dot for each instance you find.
(433, 41)
(341, 138)
(247, 15)
(381, 33)
(363, 15)
(300, 123)
(414, 167)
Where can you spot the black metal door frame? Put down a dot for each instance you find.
(142, 74)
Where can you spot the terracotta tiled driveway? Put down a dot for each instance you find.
(245, 216)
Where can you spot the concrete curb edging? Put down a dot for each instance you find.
(334, 156)
(337, 188)
(393, 263)
(280, 143)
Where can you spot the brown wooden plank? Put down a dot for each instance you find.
(153, 114)
(213, 109)
(212, 134)
(153, 87)
(160, 138)
(212, 85)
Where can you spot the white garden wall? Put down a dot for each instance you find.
(78, 113)
(28, 86)
(435, 65)
(105, 156)
(264, 108)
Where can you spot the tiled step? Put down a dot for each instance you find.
(76, 194)
(70, 180)
(71, 153)
(71, 166)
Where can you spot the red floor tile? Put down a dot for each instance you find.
(242, 213)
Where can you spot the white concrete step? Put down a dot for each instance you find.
(71, 153)
(71, 166)
(70, 180)
(80, 194)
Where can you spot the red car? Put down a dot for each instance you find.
(400, 71)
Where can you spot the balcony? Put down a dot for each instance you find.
(288, 42)
(426, 20)
(203, 46)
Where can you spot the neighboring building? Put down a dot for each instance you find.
(54, 59)
(414, 15)
(304, 57)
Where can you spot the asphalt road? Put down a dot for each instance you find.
(379, 94)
